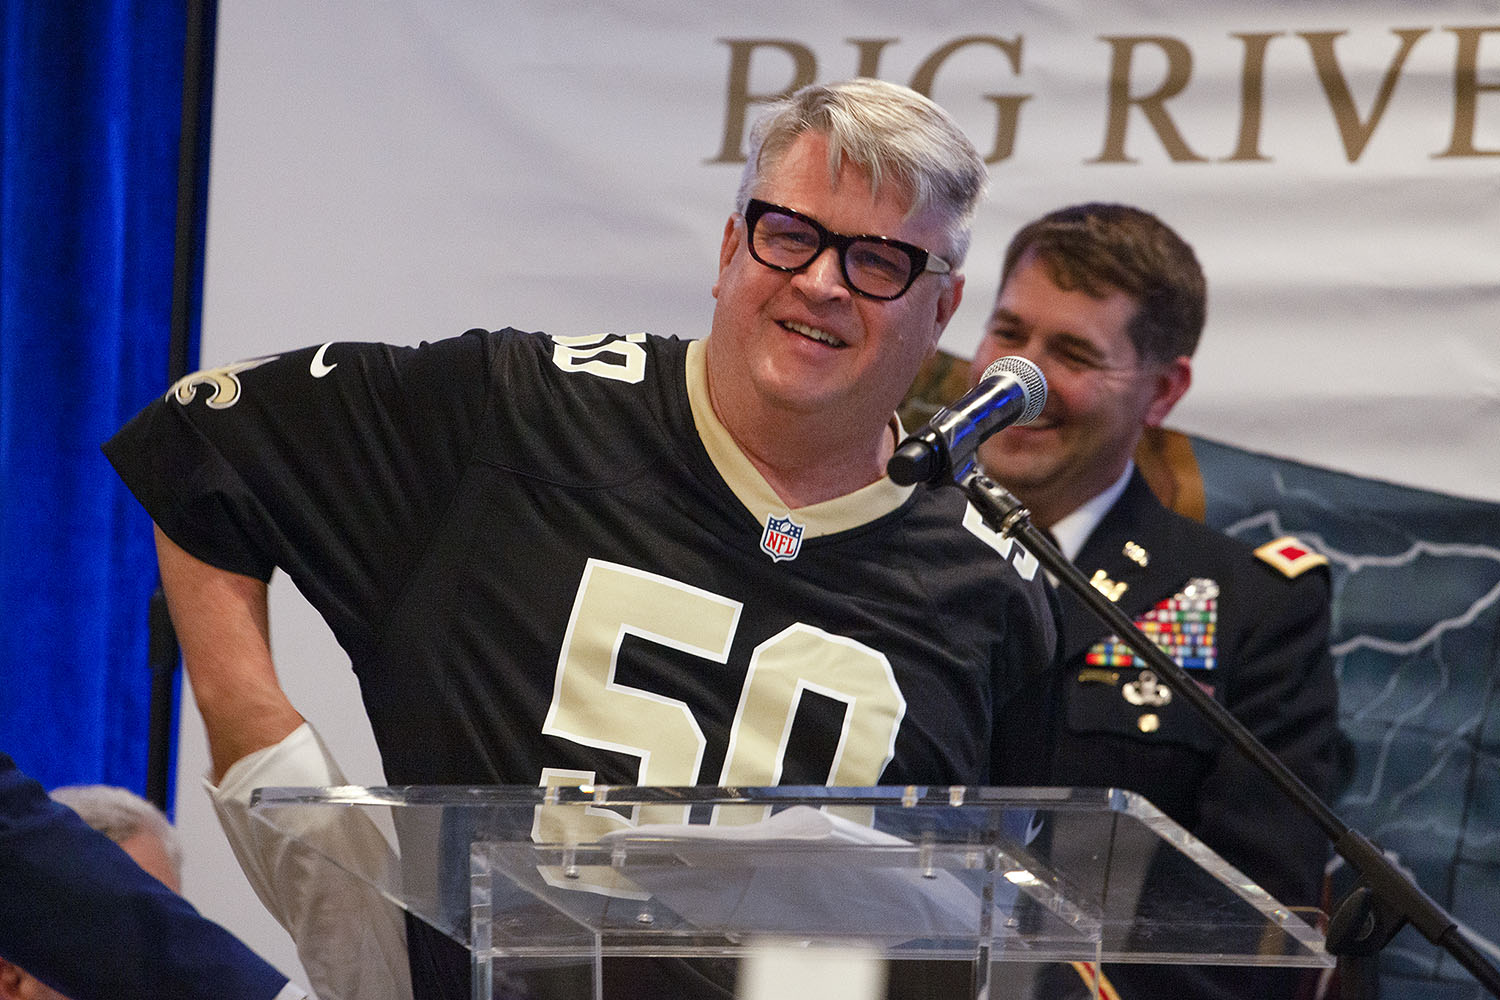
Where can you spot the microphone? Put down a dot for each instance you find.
(1011, 391)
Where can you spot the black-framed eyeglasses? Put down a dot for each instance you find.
(876, 267)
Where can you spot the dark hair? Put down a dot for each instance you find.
(1098, 248)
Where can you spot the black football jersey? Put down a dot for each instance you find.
(548, 562)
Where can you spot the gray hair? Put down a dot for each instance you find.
(120, 814)
(892, 133)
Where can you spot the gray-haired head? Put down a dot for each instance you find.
(120, 814)
(892, 133)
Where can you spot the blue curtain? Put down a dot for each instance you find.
(92, 100)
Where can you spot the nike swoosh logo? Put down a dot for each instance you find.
(1033, 827)
(318, 368)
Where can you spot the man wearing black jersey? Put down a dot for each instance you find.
(1110, 303)
(627, 559)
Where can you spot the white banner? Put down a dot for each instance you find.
(407, 170)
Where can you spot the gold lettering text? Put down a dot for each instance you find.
(1007, 106)
(1354, 132)
(1252, 97)
(1153, 105)
(1466, 88)
(738, 99)
(869, 50)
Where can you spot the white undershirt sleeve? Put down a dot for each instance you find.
(350, 939)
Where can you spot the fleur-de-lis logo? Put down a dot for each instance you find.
(223, 381)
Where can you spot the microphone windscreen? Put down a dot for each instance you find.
(1033, 383)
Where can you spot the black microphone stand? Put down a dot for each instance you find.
(1385, 899)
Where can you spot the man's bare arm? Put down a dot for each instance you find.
(223, 626)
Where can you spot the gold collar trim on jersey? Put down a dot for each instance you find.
(839, 514)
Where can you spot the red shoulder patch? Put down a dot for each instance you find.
(1290, 555)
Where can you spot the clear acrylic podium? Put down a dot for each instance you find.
(532, 880)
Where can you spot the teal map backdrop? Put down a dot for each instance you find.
(1416, 641)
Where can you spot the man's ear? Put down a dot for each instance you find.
(12, 981)
(1172, 380)
(727, 248)
(947, 305)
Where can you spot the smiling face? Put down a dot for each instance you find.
(1100, 393)
(800, 350)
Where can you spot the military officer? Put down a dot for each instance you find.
(1110, 303)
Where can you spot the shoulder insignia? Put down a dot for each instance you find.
(1290, 556)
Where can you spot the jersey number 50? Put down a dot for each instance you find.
(590, 707)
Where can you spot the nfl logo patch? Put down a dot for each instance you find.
(782, 538)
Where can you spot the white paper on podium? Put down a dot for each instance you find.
(797, 823)
(786, 876)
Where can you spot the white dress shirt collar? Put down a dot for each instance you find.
(1072, 531)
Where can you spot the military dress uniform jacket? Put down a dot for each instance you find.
(1252, 628)
(80, 915)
